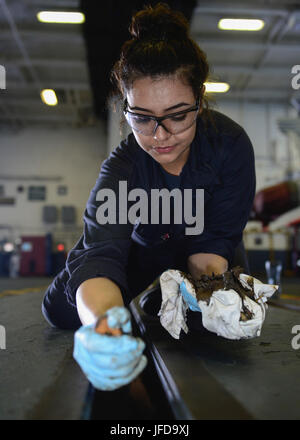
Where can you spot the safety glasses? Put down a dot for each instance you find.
(173, 123)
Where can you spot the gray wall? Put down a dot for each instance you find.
(70, 157)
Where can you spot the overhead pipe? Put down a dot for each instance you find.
(20, 44)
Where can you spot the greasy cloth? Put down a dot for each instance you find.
(221, 315)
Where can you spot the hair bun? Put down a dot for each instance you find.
(159, 22)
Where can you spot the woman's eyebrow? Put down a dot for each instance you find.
(173, 107)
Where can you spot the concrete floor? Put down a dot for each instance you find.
(36, 354)
(290, 295)
(37, 361)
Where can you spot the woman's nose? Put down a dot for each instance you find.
(161, 133)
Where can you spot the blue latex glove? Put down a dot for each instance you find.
(109, 362)
(189, 299)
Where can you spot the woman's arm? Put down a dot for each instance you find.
(200, 263)
(227, 211)
(95, 296)
(103, 249)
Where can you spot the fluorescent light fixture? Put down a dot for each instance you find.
(216, 87)
(239, 24)
(49, 97)
(60, 17)
(8, 247)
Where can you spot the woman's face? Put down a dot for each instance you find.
(162, 97)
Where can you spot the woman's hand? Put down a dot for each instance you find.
(108, 361)
(199, 264)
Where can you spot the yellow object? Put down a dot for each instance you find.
(49, 97)
(61, 17)
(216, 87)
(239, 24)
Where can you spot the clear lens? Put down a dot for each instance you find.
(173, 124)
(141, 124)
(179, 123)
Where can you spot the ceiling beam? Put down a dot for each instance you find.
(81, 64)
(277, 71)
(54, 3)
(21, 101)
(202, 39)
(56, 85)
(45, 62)
(38, 34)
(247, 9)
(39, 118)
(263, 94)
(233, 44)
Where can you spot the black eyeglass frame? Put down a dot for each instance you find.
(159, 119)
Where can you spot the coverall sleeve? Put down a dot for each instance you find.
(103, 249)
(227, 211)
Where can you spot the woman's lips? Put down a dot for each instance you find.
(162, 150)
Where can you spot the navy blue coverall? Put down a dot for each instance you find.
(221, 161)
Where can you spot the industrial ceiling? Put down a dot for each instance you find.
(75, 60)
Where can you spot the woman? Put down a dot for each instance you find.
(176, 143)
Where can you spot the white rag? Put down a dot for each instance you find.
(221, 315)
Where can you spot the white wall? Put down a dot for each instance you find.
(116, 132)
(269, 143)
(74, 155)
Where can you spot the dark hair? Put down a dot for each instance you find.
(160, 46)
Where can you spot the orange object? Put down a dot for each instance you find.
(137, 389)
(275, 200)
(103, 328)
